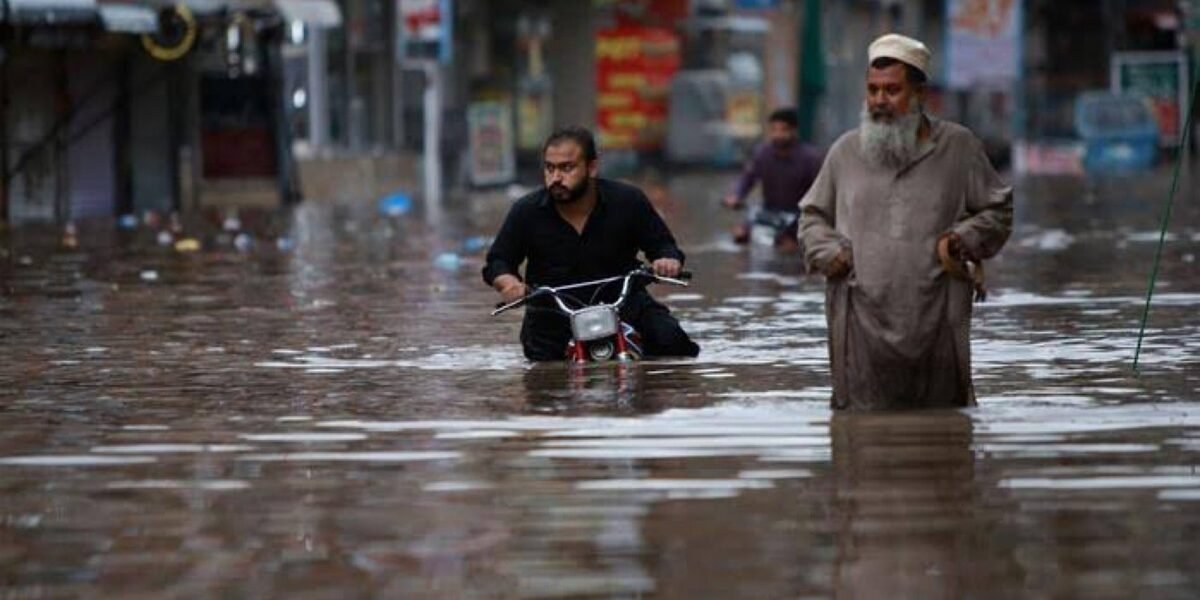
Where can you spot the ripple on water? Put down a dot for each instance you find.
(80, 460)
(751, 300)
(169, 448)
(1189, 495)
(775, 474)
(1191, 483)
(479, 434)
(303, 437)
(467, 358)
(368, 457)
(636, 485)
(174, 484)
(456, 486)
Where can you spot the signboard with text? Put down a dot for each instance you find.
(634, 67)
(983, 42)
(423, 30)
(490, 136)
(1161, 77)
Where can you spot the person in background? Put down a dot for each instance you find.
(786, 168)
(580, 227)
(900, 217)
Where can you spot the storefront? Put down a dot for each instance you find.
(527, 61)
(189, 98)
(59, 88)
(1070, 49)
(614, 65)
(241, 144)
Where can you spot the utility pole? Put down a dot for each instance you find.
(4, 59)
(425, 43)
(318, 93)
(433, 141)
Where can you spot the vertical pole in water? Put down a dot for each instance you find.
(318, 95)
(433, 149)
(4, 59)
(1017, 108)
(1166, 219)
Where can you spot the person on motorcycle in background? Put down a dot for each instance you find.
(581, 227)
(785, 166)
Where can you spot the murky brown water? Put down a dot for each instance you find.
(343, 419)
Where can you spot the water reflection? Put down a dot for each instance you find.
(345, 419)
(909, 520)
(614, 388)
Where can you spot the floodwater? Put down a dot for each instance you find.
(337, 415)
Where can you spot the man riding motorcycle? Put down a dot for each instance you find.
(580, 227)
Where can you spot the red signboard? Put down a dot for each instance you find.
(422, 19)
(634, 67)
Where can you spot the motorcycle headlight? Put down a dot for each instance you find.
(594, 323)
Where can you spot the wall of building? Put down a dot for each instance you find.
(572, 68)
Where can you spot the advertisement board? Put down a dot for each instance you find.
(634, 67)
(1162, 78)
(490, 138)
(983, 42)
(423, 30)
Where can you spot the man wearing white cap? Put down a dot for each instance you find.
(900, 217)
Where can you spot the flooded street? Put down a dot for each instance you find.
(338, 415)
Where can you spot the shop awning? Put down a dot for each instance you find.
(315, 13)
(128, 18)
(141, 16)
(210, 7)
(51, 12)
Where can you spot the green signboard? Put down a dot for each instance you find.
(1161, 77)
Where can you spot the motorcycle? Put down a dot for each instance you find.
(597, 331)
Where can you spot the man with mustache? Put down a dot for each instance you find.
(577, 228)
(904, 210)
(786, 167)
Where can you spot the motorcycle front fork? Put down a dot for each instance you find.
(577, 351)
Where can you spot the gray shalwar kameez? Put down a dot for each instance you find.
(899, 325)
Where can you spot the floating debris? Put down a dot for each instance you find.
(187, 245)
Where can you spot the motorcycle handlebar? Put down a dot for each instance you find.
(681, 278)
(502, 306)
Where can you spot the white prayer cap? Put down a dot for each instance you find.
(904, 49)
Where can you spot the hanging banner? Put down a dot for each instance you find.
(1162, 77)
(983, 42)
(634, 67)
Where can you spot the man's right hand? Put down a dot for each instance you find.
(732, 201)
(511, 288)
(840, 265)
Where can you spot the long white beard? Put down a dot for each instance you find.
(892, 145)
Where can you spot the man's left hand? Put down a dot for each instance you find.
(667, 267)
(957, 249)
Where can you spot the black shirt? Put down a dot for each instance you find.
(622, 223)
